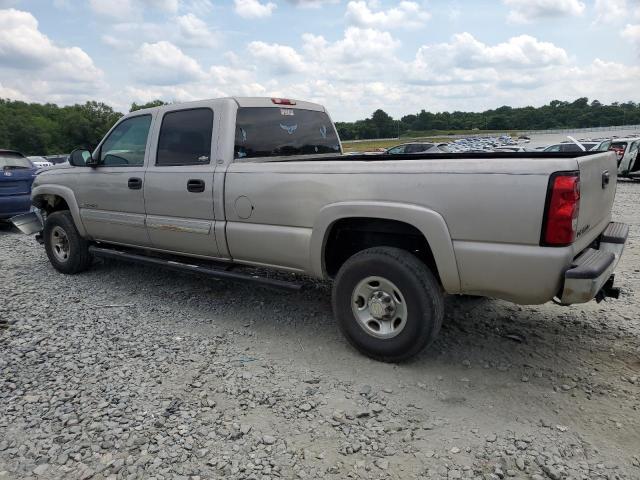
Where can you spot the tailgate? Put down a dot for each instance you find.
(598, 177)
(14, 187)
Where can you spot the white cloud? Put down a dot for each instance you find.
(312, 3)
(163, 63)
(632, 33)
(282, 59)
(253, 8)
(610, 11)
(526, 11)
(126, 10)
(194, 32)
(170, 6)
(6, 92)
(358, 45)
(113, 9)
(407, 15)
(618, 12)
(24, 47)
(34, 68)
(466, 52)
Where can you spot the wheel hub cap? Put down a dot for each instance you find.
(60, 244)
(382, 305)
(379, 307)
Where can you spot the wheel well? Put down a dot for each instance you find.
(349, 236)
(50, 203)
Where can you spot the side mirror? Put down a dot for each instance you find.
(80, 157)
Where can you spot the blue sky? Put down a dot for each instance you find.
(353, 56)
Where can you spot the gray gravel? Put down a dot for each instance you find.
(131, 372)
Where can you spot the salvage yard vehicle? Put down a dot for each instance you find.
(627, 150)
(40, 162)
(417, 147)
(212, 186)
(16, 176)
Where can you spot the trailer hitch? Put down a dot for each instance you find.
(608, 290)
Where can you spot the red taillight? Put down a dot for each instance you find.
(563, 204)
(283, 101)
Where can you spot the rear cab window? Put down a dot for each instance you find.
(14, 160)
(278, 131)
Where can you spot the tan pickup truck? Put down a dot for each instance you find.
(216, 185)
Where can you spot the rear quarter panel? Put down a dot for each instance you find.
(489, 202)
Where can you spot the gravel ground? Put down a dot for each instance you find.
(133, 372)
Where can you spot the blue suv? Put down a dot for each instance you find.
(16, 176)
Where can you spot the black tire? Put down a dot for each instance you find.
(421, 292)
(78, 256)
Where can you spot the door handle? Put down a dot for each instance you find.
(135, 183)
(195, 185)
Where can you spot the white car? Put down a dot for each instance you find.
(40, 162)
(627, 151)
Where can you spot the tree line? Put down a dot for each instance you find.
(47, 129)
(557, 114)
(44, 129)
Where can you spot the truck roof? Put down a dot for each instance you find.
(246, 102)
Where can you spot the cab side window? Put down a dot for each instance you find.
(398, 150)
(185, 137)
(127, 143)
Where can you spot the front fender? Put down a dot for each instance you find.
(67, 194)
(430, 223)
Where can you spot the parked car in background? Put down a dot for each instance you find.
(16, 177)
(416, 147)
(511, 148)
(602, 146)
(570, 147)
(57, 159)
(627, 150)
(40, 162)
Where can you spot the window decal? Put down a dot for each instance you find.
(289, 128)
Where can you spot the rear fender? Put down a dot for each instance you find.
(429, 223)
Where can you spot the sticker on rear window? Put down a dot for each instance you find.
(287, 112)
(289, 128)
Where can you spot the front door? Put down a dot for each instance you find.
(110, 196)
(179, 184)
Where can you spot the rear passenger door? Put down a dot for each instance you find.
(178, 187)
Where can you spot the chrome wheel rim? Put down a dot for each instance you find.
(60, 244)
(379, 307)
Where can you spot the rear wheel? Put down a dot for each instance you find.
(387, 303)
(68, 252)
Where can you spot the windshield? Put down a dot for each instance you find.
(13, 160)
(604, 146)
(271, 132)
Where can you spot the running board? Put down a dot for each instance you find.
(188, 268)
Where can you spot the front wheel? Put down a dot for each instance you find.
(387, 303)
(68, 252)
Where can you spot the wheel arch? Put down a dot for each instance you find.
(52, 197)
(428, 223)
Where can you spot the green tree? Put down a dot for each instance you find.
(153, 103)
